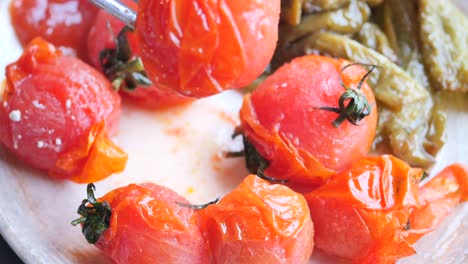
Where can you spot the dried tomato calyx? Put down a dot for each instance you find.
(121, 67)
(95, 216)
(198, 206)
(352, 104)
(255, 163)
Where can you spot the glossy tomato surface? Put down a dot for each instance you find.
(148, 226)
(102, 36)
(64, 23)
(259, 223)
(200, 48)
(362, 213)
(55, 114)
(437, 198)
(282, 120)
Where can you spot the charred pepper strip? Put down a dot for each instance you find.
(444, 44)
(346, 20)
(399, 21)
(373, 37)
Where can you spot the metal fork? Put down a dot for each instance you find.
(118, 10)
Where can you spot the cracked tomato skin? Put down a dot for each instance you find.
(64, 23)
(281, 120)
(259, 222)
(148, 226)
(200, 48)
(362, 213)
(100, 38)
(55, 115)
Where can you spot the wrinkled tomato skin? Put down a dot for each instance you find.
(437, 198)
(100, 37)
(58, 100)
(148, 226)
(362, 213)
(64, 23)
(282, 120)
(259, 223)
(200, 48)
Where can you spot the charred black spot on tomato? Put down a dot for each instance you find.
(121, 67)
(407, 226)
(353, 103)
(95, 216)
(255, 163)
(198, 206)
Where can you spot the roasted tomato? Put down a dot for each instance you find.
(259, 223)
(64, 23)
(56, 112)
(368, 213)
(104, 54)
(437, 198)
(141, 224)
(200, 48)
(306, 121)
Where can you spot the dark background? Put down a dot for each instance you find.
(7, 255)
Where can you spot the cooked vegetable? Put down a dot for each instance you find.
(310, 6)
(200, 48)
(259, 222)
(115, 51)
(291, 11)
(296, 123)
(407, 127)
(56, 113)
(374, 211)
(142, 224)
(399, 21)
(372, 37)
(346, 20)
(64, 23)
(444, 39)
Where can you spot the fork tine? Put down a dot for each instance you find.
(118, 10)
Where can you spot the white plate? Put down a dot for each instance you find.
(178, 148)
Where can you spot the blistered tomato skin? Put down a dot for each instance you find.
(56, 113)
(64, 23)
(259, 223)
(283, 120)
(200, 48)
(361, 214)
(148, 226)
(100, 37)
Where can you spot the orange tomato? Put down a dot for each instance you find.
(259, 223)
(64, 23)
(148, 226)
(437, 198)
(102, 38)
(283, 122)
(374, 212)
(200, 48)
(56, 113)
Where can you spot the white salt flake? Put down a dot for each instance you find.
(15, 115)
(40, 144)
(68, 103)
(38, 105)
(58, 141)
(19, 136)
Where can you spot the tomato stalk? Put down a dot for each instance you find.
(198, 206)
(121, 67)
(255, 163)
(95, 216)
(358, 106)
